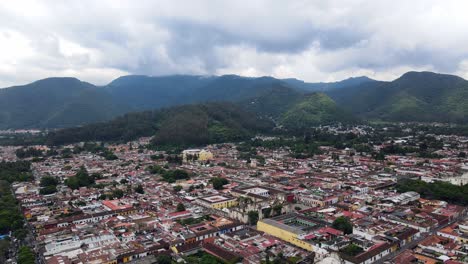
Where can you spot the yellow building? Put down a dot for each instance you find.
(218, 201)
(289, 228)
(200, 155)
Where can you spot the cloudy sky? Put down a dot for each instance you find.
(98, 41)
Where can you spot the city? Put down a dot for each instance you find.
(252, 202)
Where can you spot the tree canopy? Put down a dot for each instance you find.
(342, 223)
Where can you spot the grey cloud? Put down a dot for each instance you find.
(312, 40)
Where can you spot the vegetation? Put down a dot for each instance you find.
(202, 257)
(15, 171)
(48, 184)
(218, 182)
(313, 110)
(164, 259)
(95, 148)
(26, 256)
(139, 189)
(342, 223)
(352, 250)
(415, 96)
(180, 207)
(253, 217)
(28, 152)
(55, 102)
(172, 176)
(438, 190)
(181, 126)
(81, 179)
(11, 218)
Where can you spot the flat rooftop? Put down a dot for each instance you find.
(216, 199)
(293, 223)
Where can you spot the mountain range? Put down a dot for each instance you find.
(68, 102)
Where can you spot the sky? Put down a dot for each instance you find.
(98, 41)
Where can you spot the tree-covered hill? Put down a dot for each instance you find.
(180, 125)
(272, 103)
(55, 102)
(415, 96)
(68, 102)
(313, 110)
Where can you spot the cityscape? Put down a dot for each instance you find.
(255, 201)
(233, 132)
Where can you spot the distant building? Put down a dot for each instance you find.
(200, 155)
(404, 198)
(217, 201)
(293, 228)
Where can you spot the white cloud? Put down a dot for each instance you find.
(311, 40)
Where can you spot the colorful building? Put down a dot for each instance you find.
(217, 201)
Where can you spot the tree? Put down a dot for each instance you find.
(218, 182)
(50, 189)
(462, 155)
(342, 223)
(26, 255)
(352, 250)
(164, 259)
(177, 188)
(48, 184)
(48, 180)
(139, 189)
(117, 193)
(379, 156)
(180, 207)
(81, 179)
(253, 217)
(266, 212)
(277, 208)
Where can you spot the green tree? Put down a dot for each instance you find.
(267, 212)
(48, 180)
(164, 259)
(139, 189)
(117, 193)
(342, 223)
(277, 208)
(219, 182)
(81, 179)
(177, 188)
(352, 250)
(180, 207)
(50, 189)
(253, 217)
(26, 255)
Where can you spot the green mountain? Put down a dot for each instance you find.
(415, 96)
(272, 103)
(54, 102)
(146, 92)
(313, 110)
(324, 86)
(180, 125)
(68, 102)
